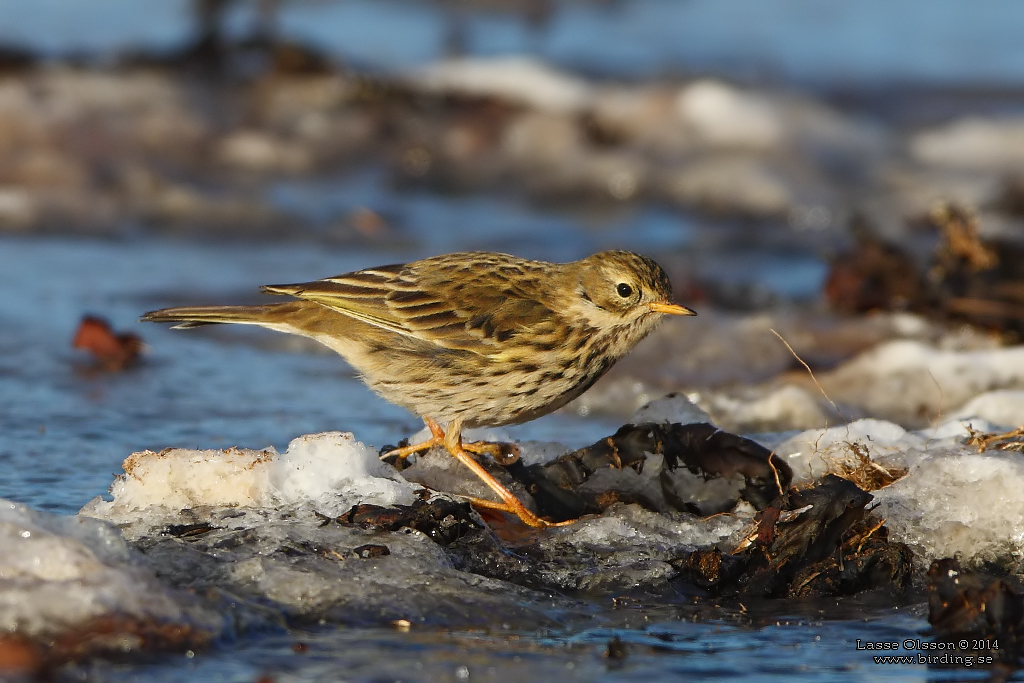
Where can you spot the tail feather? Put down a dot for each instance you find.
(196, 316)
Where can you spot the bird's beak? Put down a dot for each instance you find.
(670, 308)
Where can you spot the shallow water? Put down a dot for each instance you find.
(793, 648)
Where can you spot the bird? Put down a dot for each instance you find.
(470, 339)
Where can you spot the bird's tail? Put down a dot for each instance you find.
(195, 316)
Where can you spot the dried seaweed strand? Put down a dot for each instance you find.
(813, 378)
(1012, 440)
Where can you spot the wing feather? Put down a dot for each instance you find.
(473, 302)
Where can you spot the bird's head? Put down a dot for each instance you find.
(616, 288)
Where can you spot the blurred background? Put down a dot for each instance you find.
(843, 173)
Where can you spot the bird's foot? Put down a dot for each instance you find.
(436, 439)
(502, 453)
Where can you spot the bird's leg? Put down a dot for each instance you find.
(453, 442)
(436, 439)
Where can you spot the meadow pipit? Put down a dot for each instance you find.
(471, 339)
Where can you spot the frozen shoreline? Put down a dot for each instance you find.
(260, 527)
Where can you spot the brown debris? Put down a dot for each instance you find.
(189, 530)
(616, 649)
(863, 471)
(875, 276)
(443, 520)
(960, 245)
(113, 636)
(818, 544)
(968, 278)
(20, 657)
(1012, 199)
(370, 551)
(113, 351)
(967, 605)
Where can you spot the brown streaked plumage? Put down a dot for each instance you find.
(471, 339)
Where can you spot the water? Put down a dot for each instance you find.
(935, 42)
(668, 650)
(445, 223)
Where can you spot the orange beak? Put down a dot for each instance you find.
(670, 308)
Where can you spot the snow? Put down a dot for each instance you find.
(726, 116)
(779, 408)
(516, 78)
(973, 142)
(1003, 408)
(913, 383)
(721, 115)
(337, 471)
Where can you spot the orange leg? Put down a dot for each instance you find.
(452, 441)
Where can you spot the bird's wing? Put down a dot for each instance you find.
(455, 306)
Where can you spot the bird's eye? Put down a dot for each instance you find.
(624, 290)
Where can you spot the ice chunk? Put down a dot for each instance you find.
(60, 572)
(958, 501)
(518, 79)
(952, 499)
(336, 471)
(183, 478)
(739, 184)
(330, 470)
(670, 409)
(626, 547)
(541, 452)
(811, 453)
